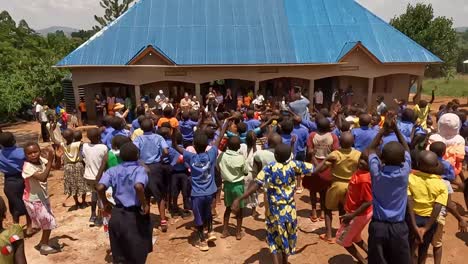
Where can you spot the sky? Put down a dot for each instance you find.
(80, 13)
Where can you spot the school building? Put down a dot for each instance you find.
(247, 45)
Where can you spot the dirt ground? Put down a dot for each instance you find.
(85, 244)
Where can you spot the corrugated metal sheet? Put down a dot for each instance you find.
(202, 32)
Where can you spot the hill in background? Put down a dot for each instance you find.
(461, 29)
(66, 30)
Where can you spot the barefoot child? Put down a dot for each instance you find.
(36, 199)
(95, 158)
(343, 164)
(233, 169)
(279, 181)
(427, 194)
(202, 166)
(319, 145)
(358, 207)
(130, 229)
(74, 183)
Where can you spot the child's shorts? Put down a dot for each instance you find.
(41, 215)
(158, 180)
(232, 191)
(439, 233)
(336, 195)
(201, 207)
(349, 234)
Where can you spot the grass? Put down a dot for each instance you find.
(457, 87)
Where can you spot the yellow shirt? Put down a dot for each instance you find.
(138, 132)
(346, 163)
(422, 114)
(426, 189)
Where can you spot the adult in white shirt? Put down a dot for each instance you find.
(259, 100)
(195, 103)
(186, 103)
(43, 120)
(160, 99)
(318, 98)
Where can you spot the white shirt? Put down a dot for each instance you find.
(93, 155)
(42, 114)
(195, 105)
(334, 96)
(37, 107)
(319, 97)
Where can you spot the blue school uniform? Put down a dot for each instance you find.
(151, 146)
(108, 139)
(301, 133)
(363, 136)
(186, 129)
(449, 171)
(252, 124)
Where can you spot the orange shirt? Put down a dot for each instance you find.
(247, 100)
(82, 107)
(172, 121)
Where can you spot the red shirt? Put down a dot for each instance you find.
(359, 191)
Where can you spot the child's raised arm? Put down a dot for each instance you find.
(42, 176)
(174, 143)
(221, 135)
(432, 96)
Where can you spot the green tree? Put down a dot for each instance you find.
(26, 61)
(434, 33)
(113, 9)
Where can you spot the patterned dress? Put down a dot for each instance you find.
(74, 182)
(279, 182)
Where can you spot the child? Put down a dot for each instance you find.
(11, 165)
(319, 145)
(375, 122)
(106, 127)
(358, 207)
(448, 175)
(422, 110)
(187, 129)
(233, 169)
(36, 199)
(287, 127)
(168, 117)
(74, 183)
(138, 131)
(251, 122)
(130, 229)
(279, 181)
(118, 125)
(113, 156)
(152, 148)
(301, 133)
(202, 166)
(11, 240)
(343, 164)
(179, 179)
(95, 158)
(427, 194)
(83, 112)
(388, 232)
(363, 135)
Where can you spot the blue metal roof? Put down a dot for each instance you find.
(210, 32)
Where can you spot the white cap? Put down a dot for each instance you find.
(161, 91)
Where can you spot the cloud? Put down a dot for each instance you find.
(80, 13)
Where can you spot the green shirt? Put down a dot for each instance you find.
(113, 159)
(233, 166)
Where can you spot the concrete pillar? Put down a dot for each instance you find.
(370, 89)
(419, 82)
(256, 87)
(311, 93)
(137, 95)
(198, 92)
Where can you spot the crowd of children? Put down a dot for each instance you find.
(389, 170)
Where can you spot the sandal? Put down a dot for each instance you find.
(164, 226)
(240, 235)
(328, 240)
